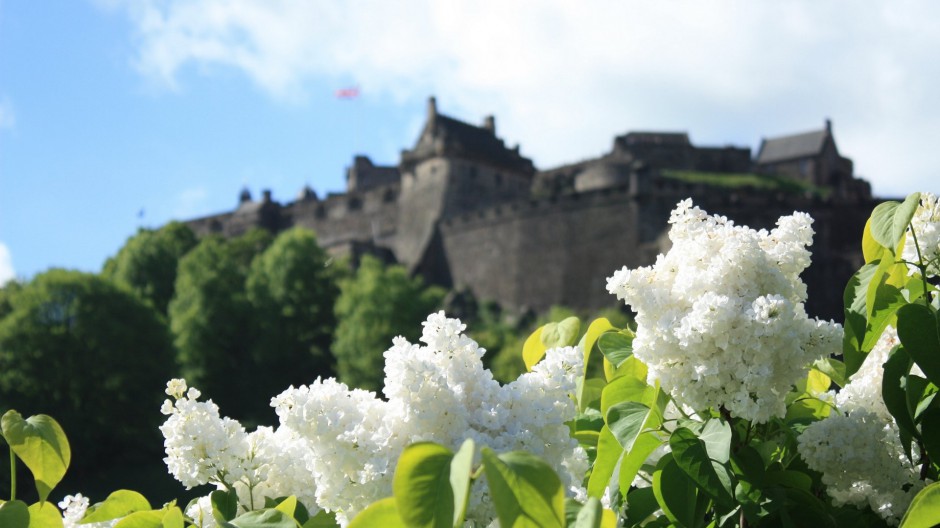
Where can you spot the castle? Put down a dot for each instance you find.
(467, 212)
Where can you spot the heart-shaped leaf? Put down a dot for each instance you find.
(382, 513)
(919, 332)
(119, 504)
(889, 220)
(421, 486)
(525, 489)
(41, 444)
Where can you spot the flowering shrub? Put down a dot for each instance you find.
(725, 406)
(336, 448)
(720, 318)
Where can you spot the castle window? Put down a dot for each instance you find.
(499, 179)
(319, 212)
(473, 172)
(215, 226)
(354, 204)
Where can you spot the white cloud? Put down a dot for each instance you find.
(6, 265)
(564, 77)
(7, 117)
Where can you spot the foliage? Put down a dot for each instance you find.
(713, 449)
(765, 182)
(504, 340)
(79, 346)
(211, 322)
(292, 291)
(243, 249)
(432, 486)
(148, 261)
(375, 305)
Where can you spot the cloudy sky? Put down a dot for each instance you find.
(117, 114)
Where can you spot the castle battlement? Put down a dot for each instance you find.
(466, 211)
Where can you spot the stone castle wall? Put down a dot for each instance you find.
(465, 211)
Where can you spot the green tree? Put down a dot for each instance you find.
(375, 305)
(90, 353)
(292, 290)
(147, 263)
(212, 327)
(245, 248)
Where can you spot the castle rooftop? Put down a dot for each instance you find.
(446, 136)
(794, 146)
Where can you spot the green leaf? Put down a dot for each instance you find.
(889, 220)
(382, 513)
(691, 455)
(930, 427)
(589, 393)
(41, 444)
(267, 518)
(856, 321)
(633, 460)
(789, 479)
(597, 328)
(421, 486)
(893, 382)
(589, 516)
(14, 514)
(589, 390)
(224, 504)
(871, 249)
(525, 490)
(627, 420)
(807, 409)
(885, 303)
(802, 508)
(533, 350)
(616, 347)
(919, 332)
(609, 454)
(119, 504)
(833, 368)
(461, 470)
(561, 334)
(143, 519)
(173, 518)
(323, 519)
(44, 515)
(629, 388)
(641, 503)
(924, 511)
(288, 506)
(716, 435)
(676, 493)
(748, 465)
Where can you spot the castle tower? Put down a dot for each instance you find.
(454, 168)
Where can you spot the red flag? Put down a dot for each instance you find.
(347, 93)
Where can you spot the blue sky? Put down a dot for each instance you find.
(113, 108)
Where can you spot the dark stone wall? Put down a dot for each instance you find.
(546, 252)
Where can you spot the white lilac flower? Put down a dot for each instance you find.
(858, 449)
(336, 448)
(176, 388)
(926, 227)
(863, 392)
(200, 512)
(720, 317)
(74, 507)
(203, 447)
(862, 462)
